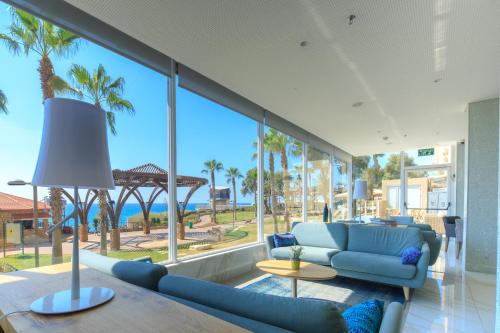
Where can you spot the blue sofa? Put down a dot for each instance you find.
(360, 251)
(433, 239)
(253, 311)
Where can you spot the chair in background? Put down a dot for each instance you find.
(459, 236)
(449, 227)
(405, 220)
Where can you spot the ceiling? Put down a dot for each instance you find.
(414, 64)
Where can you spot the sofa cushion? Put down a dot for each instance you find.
(281, 240)
(364, 317)
(139, 273)
(329, 235)
(370, 263)
(411, 256)
(318, 255)
(322, 316)
(249, 324)
(390, 241)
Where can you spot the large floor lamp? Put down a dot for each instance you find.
(360, 193)
(73, 153)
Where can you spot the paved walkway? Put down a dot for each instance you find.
(135, 240)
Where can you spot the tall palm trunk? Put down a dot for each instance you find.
(255, 201)
(103, 217)
(233, 181)
(286, 187)
(46, 71)
(274, 202)
(214, 204)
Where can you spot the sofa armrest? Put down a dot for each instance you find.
(393, 316)
(422, 267)
(141, 274)
(269, 245)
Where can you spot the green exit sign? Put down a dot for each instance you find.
(426, 152)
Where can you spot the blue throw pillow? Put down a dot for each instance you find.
(281, 240)
(411, 256)
(364, 317)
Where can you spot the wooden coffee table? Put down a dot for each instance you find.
(307, 271)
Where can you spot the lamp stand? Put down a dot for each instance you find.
(76, 299)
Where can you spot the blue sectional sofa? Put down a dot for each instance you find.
(360, 251)
(253, 311)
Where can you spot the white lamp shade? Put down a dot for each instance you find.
(360, 189)
(74, 148)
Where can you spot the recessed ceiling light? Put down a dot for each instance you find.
(357, 104)
(351, 19)
(437, 80)
(405, 135)
(303, 43)
(385, 138)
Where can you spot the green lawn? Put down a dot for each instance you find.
(227, 217)
(155, 254)
(26, 261)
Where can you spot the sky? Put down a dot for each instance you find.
(205, 129)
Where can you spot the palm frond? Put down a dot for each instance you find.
(29, 21)
(3, 103)
(11, 44)
(59, 85)
(117, 103)
(110, 116)
(79, 75)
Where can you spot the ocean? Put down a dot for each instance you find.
(129, 209)
(132, 209)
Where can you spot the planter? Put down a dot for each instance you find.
(295, 264)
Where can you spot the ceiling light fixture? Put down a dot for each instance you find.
(437, 80)
(357, 104)
(303, 43)
(385, 138)
(351, 19)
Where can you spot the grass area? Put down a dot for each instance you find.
(26, 261)
(241, 235)
(227, 217)
(155, 254)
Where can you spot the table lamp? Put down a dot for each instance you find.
(73, 153)
(360, 192)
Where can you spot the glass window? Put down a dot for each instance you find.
(340, 190)
(283, 165)
(135, 101)
(217, 148)
(318, 185)
(382, 173)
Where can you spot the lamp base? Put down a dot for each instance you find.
(61, 302)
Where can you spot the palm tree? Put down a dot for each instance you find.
(231, 175)
(29, 34)
(249, 185)
(3, 103)
(272, 146)
(212, 166)
(286, 145)
(106, 94)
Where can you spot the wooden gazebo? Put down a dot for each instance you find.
(130, 181)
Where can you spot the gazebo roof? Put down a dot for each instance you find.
(150, 175)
